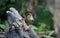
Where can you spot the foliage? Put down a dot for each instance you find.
(43, 17)
(50, 35)
(43, 20)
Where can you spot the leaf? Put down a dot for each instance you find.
(6, 24)
(48, 36)
(51, 33)
(33, 27)
(2, 26)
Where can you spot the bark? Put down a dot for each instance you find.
(54, 5)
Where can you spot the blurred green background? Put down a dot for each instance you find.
(43, 18)
(43, 21)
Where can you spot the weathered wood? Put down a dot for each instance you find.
(21, 29)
